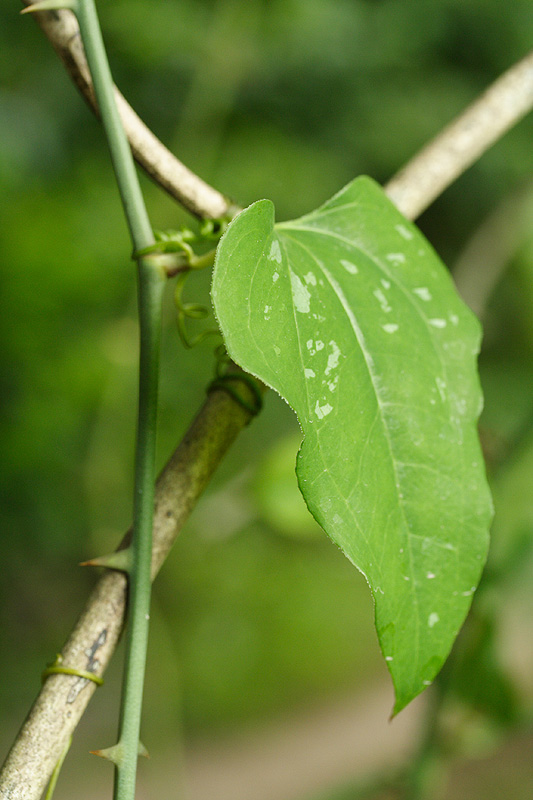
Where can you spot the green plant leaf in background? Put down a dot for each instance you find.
(348, 313)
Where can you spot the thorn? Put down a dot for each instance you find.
(142, 751)
(50, 5)
(113, 754)
(120, 560)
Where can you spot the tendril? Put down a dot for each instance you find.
(228, 381)
(175, 250)
(189, 311)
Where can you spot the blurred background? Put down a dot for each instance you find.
(264, 676)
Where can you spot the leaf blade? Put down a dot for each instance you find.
(350, 316)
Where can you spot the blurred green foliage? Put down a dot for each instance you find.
(286, 99)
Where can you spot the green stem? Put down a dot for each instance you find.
(150, 295)
(127, 180)
(151, 283)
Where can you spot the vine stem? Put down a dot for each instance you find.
(151, 286)
(128, 184)
(151, 283)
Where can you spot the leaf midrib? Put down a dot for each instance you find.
(359, 336)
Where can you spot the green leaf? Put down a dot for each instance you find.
(349, 314)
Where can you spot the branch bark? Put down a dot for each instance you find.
(63, 698)
(462, 142)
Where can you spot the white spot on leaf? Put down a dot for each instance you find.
(423, 293)
(396, 258)
(384, 303)
(310, 278)
(404, 232)
(309, 373)
(390, 328)
(333, 358)
(433, 619)
(275, 252)
(300, 294)
(441, 386)
(349, 267)
(322, 411)
(437, 323)
(275, 277)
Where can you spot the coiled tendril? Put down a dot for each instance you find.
(174, 250)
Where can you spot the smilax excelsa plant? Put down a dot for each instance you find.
(349, 314)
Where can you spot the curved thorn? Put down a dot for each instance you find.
(143, 751)
(113, 754)
(119, 560)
